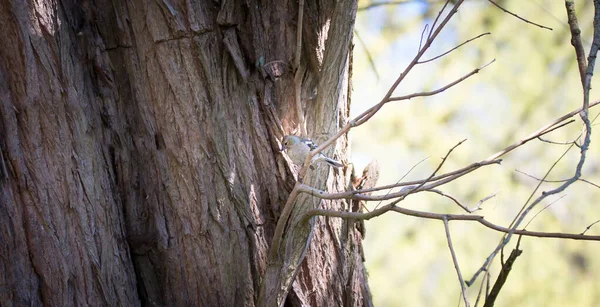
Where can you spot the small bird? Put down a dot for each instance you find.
(297, 149)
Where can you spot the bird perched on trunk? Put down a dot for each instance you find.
(297, 149)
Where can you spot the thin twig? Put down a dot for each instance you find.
(545, 207)
(437, 18)
(467, 209)
(435, 171)
(589, 182)
(557, 181)
(460, 278)
(404, 176)
(439, 90)
(445, 53)
(517, 16)
(539, 179)
(544, 130)
(590, 226)
(555, 143)
(422, 34)
(368, 53)
(481, 289)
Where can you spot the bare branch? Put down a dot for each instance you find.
(455, 82)
(445, 53)
(450, 217)
(517, 16)
(460, 278)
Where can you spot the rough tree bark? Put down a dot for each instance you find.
(139, 151)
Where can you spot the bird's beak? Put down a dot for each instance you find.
(283, 148)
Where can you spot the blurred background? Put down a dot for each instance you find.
(533, 81)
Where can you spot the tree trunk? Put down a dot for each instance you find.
(140, 159)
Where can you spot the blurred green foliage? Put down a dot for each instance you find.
(533, 81)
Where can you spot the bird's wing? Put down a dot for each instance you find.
(310, 144)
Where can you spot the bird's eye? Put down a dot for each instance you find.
(285, 143)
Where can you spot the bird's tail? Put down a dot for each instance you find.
(334, 163)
